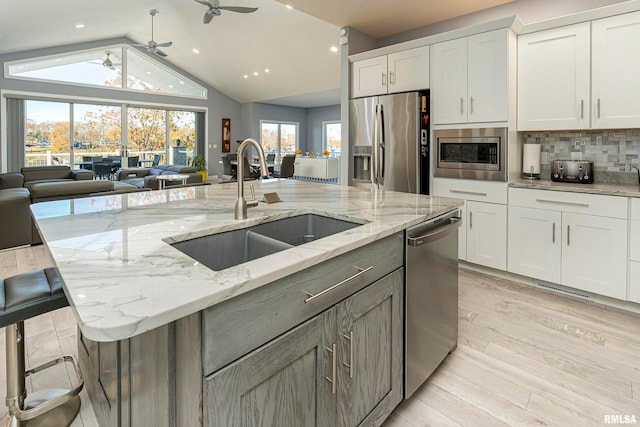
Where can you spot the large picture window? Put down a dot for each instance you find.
(279, 138)
(154, 135)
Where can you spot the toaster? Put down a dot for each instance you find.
(572, 171)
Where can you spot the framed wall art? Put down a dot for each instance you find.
(226, 135)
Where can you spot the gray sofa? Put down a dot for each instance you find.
(148, 177)
(39, 184)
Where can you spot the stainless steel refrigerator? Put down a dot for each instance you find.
(389, 141)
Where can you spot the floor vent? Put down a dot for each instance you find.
(570, 292)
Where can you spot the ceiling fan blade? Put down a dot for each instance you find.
(239, 9)
(160, 53)
(166, 44)
(207, 18)
(206, 3)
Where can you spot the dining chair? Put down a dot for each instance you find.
(286, 168)
(132, 161)
(156, 160)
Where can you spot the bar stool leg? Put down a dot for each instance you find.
(17, 400)
(16, 391)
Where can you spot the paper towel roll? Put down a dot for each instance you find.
(531, 157)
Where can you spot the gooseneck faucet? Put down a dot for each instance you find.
(241, 203)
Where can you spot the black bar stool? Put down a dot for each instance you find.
(21, 297)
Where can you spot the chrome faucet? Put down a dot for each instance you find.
(241, 203)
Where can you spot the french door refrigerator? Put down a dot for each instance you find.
(389, 140)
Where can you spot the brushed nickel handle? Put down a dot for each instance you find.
(361, 271)
(350, 364)
(553, 233)
(384, 79)
(598, 103)
(582, 108)
(471, 105)
(470, 220)
(473, 193)
(559, 202)
(461, 106)
(568, 235)
(392, 80)
(334, 368)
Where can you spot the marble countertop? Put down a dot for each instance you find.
(605, 189)
(123, 278)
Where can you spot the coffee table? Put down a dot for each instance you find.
(162, 179)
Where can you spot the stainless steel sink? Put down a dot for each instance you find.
(230, 248)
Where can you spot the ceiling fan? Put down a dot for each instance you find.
(215, 9)
(151, 45)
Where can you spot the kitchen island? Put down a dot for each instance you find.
(160, 331)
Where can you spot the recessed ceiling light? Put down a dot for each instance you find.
(171, 86)
(333, 49)
(149, 72)
(245, 76)
(255, 73)
(181, 82)
(195, 50)
(289, 7)
(80, 26)
(266, 70)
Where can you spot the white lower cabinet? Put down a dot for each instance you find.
(634, 281)
(594, 254)
(487, 234)
(560, 244)
(634, 252)
(482, 238)
(534, 243)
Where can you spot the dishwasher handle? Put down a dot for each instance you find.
(438, 233)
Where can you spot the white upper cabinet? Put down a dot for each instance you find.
(553, 79)
(581, 76)
(397, 72)
(469, 79)
(615, 66)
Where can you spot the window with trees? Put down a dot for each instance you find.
(280, 138)
(332, 137)
(74, 133)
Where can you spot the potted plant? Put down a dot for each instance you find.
(200, 164)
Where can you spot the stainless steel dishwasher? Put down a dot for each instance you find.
(431, 297)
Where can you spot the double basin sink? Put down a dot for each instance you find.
(230, 248)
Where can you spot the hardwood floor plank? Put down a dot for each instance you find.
(484, 398)
(395, 420)
(459, 410)
(555, 414)
(636, 390)
(418, 414)
(614, 402)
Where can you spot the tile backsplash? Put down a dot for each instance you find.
(610, 151)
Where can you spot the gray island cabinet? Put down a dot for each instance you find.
(267, 357)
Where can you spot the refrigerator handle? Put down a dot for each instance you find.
(374, 144)
(382, 148)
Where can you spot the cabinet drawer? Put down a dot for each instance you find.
(480, 191)
(634, 281)
(241, 324)
(635, 209)
(566, 201)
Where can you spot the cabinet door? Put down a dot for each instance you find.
(594, 254)
(462, 233)
(370, 342)
(409, 70)
(634, 281)
(554, 78)
(487, 234)
(369, 77)
(488, 76)
(534, 243)
(449, 81)
(615, 65)
(283, 383)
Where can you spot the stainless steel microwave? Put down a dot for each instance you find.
(471, 153)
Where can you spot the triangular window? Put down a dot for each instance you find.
(105, 67)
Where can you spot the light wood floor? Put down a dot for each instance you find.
(524, 357)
